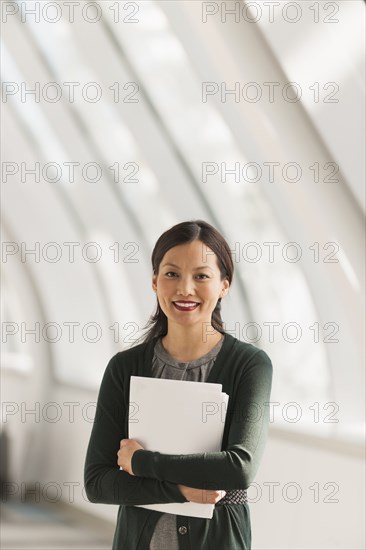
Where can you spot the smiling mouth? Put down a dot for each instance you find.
(186, 306)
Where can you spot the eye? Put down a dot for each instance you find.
(174, 273)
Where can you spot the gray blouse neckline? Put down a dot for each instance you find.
(162, 354)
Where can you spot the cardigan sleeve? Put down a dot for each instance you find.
(236, 466)
(103, 480)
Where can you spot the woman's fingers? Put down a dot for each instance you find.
(201, 496)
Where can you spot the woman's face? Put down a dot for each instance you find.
(189, 273)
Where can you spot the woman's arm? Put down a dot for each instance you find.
(104, 481)
(236, 467)
(108, 486)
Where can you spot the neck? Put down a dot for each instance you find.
(187, 343)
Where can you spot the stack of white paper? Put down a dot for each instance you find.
(177, 417)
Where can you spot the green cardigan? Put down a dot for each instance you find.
(245, 373)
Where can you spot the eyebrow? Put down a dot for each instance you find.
(194, 269)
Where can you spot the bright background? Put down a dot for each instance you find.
(184, 155)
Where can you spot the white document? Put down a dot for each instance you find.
(177, 417)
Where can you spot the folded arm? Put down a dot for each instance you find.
(236, 466)
(104, 481)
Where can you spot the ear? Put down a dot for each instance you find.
(225, 288)
(154, 278)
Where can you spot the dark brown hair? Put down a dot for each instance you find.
(182, 233)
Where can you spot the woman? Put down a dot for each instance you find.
(192, 273)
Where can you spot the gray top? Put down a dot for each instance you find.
(165, 366)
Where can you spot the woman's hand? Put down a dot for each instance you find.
(202, 496)
(125, 453)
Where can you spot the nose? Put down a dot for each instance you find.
(185, 286)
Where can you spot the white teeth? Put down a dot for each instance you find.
(190, 304)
